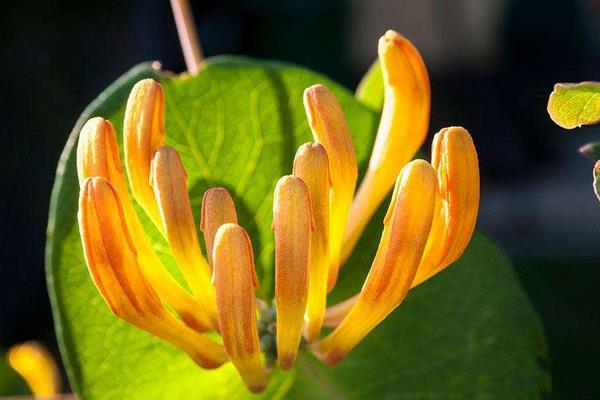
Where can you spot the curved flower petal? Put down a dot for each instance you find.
(143, 134)
(292, 225)
(217, 209)
(168, 178)
(329, 128)
(235, 282)
(455, 160)
(406, 228)
(97, 155)
(111, 258)
(312, 166)
(402, 129)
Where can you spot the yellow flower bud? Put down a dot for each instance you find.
(235, 282)
(406, 228)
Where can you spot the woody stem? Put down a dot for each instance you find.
(188, 35)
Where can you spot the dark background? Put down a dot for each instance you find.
(492, 65)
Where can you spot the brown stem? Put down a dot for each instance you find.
(188, 35)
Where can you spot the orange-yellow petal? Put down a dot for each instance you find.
(217, 209)
(235, 282)
(402, 129)
(312, 166)
(329, 128)
(97, 155)
(406, 228)
(169, 180)
(37, 367)
(292, 225)
(143, 134)
(454, 158)
(111, 257)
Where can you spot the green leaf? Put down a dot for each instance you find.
(370, 90)
(469, 332)
(572, 105)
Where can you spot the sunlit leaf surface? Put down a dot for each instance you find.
(572, 105)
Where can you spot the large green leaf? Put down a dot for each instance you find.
(470, 332)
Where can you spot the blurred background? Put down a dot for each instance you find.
(492, 65)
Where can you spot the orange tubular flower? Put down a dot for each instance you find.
(406, 228)
(168, 178)
(312, 166)
(329, 128)
(217, 209)
(235, 282)
(402, 129)
(143, 133)
(97, 155)
(292, 225)
(316, 223)
(111, 257)
(455, 159)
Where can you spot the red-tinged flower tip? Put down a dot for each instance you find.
(402, 129)
(311, 164)
(217, 209)
(330, 129)
(235, 282)
(292, 226)
(406, 228)
(111, 257)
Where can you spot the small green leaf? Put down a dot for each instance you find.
(370, 90)
(572, 105)
(468, 333)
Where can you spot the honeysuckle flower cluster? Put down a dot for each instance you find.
(317, 221)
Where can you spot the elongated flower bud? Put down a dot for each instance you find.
(292, 225)
(455, 160)
(37, 367)
(97, 155)
(402, 129)
(217, 209)
(168, 178)
(312, 166)
(235, 282)
(143, 134)
(406, 228)
(329, 128)
(111, 258)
